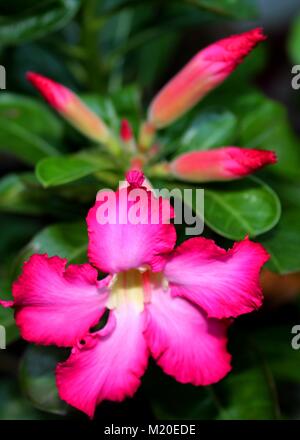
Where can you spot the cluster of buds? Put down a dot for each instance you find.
(206, 70)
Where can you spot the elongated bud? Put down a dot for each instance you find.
(68, 105)
(146, 136)
(126, 131)
(126, 135)
(220, 164)
(206, 70)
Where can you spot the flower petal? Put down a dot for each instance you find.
(185, 343)
(55, 304)
(224, 283)
(110, 364)
(123, 240)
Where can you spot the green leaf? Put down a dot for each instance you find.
(248, 396)
(275, 345)
(18, 196)
(213, 128)
(20, 23)
(283, 243)
(264, 124)
(31, 115)
(60, 170)
(195, 403)
(67, 240)
(294, 41)
(248, 207)
(20, 142)
(37, 377)
(23, 194)
(15, 407)
(127, 100)
(104, 108)
(235, 209)
(232, 8)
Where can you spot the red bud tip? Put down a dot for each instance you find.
(54, 93)
(126, 133)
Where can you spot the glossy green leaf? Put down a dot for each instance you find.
(22, 143)
(264, 124)
(60, 170)
(31, 115)
(283, 242)
(214, 128)
(247, 207)
(37, 377)
(33, 20)
(235, 209)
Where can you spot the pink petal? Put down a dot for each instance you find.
(185, 343)
(55, 304)
(223, 283)
(110, 364)
(120, 244)
(226, 163)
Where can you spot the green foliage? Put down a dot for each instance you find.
(22, 22)
(116, 54)
(37, 377)
(294, 41)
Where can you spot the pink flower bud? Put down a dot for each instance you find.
(206, 70)
(126, 131)
(227, 163)
(70, 107)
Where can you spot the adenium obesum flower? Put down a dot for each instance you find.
(205, 71)
(172, 304)
(227, 163)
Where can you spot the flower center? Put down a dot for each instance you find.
(135, 287)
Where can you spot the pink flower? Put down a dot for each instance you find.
(206, 70)
(172, 304)
(225, 163)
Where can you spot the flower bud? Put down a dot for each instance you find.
(227, 163)
(206, 70)
(68, 105)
